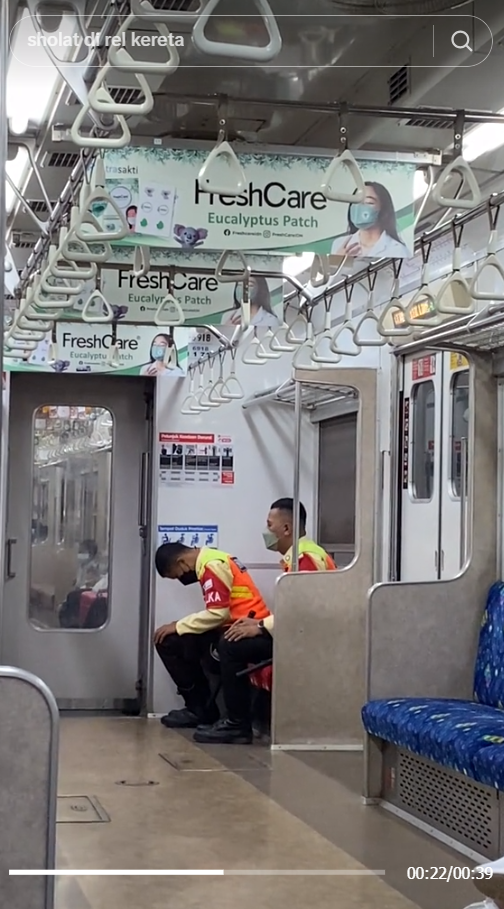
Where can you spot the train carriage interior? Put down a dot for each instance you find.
(268, 231)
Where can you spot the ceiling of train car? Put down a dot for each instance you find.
(327, 56)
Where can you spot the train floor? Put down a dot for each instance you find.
(136, 796)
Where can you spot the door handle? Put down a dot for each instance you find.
(9, 573)
(143, 491)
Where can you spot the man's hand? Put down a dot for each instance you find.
(243, 628)
(164, 631)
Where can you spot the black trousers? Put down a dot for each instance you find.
(235, 656)
(183, 657)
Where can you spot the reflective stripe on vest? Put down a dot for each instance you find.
(244, 597)
(308, 547)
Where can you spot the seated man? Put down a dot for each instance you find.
(251, 640)
(229, 594)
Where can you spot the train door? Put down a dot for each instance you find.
(454, 464)
(422, 422)
(77, 550)
(434, 466)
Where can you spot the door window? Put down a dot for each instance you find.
(71, 518)
(459, 427)
(422, 441)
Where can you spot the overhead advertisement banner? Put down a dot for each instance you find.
(282, 207)
(84, 348)
(204, 300)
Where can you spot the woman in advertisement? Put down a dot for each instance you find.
(372, 228)
(261, 312)
(161, 345)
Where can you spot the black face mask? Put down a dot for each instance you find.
(189, 577)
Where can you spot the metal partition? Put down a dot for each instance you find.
(319, 655)
(28, 789)
(422, 638)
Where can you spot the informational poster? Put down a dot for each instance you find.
(282, 206)
(196, 459)
(196, 535)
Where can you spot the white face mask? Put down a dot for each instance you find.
(83, 557)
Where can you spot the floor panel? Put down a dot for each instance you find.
(268, 812)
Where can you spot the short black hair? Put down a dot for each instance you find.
(287, 505)
(167, 555)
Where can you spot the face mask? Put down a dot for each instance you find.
(83, 557)
(188, 578)
(363, 215)
(252, 293)
(270, 541)
(158, 353)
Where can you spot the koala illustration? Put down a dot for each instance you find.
(189, 237)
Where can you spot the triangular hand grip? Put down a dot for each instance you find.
(71, 272)
(345, 161)
(234, 181)
(100, 195)
(122, 60)
(490, 261)
(65, 289)
(252, 355)
(266, 352)
(379, 341)
(303, 358)
(93, 141)
(275, 343)
(234, 277)
(231, 389)
(238, 51)
(75, 250)
(345, 330)
(105, 105)
(95, 299)
(461, 167)
(214, 395)
(141, 261)
(170, 304)
(290, 336)
(455, 282)
(423, 296)
(318, 357)
(320, 271)
(394, 306)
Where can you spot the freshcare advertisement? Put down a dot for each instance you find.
(85, 348)
(281, 208)
(204, 300)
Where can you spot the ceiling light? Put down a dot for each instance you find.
(296, 265)
(16, 170)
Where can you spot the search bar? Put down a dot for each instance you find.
(322, 41)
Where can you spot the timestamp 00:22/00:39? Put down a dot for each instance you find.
(451, 872)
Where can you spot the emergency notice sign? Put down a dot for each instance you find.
(191, 459)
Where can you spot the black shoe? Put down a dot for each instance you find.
(186, 719)
(225, 732)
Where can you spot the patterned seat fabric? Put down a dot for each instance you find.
(467, 736)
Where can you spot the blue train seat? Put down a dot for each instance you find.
(467, 736)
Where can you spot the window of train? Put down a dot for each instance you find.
(71, 515)
(422, 441)
(459, 426)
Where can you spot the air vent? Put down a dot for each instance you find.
(429, 123)
(174, 6)
(22, 244)
(61, 159)
(399, 84)
(38, 206)
(126, 95)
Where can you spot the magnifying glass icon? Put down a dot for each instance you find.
(466, 45)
